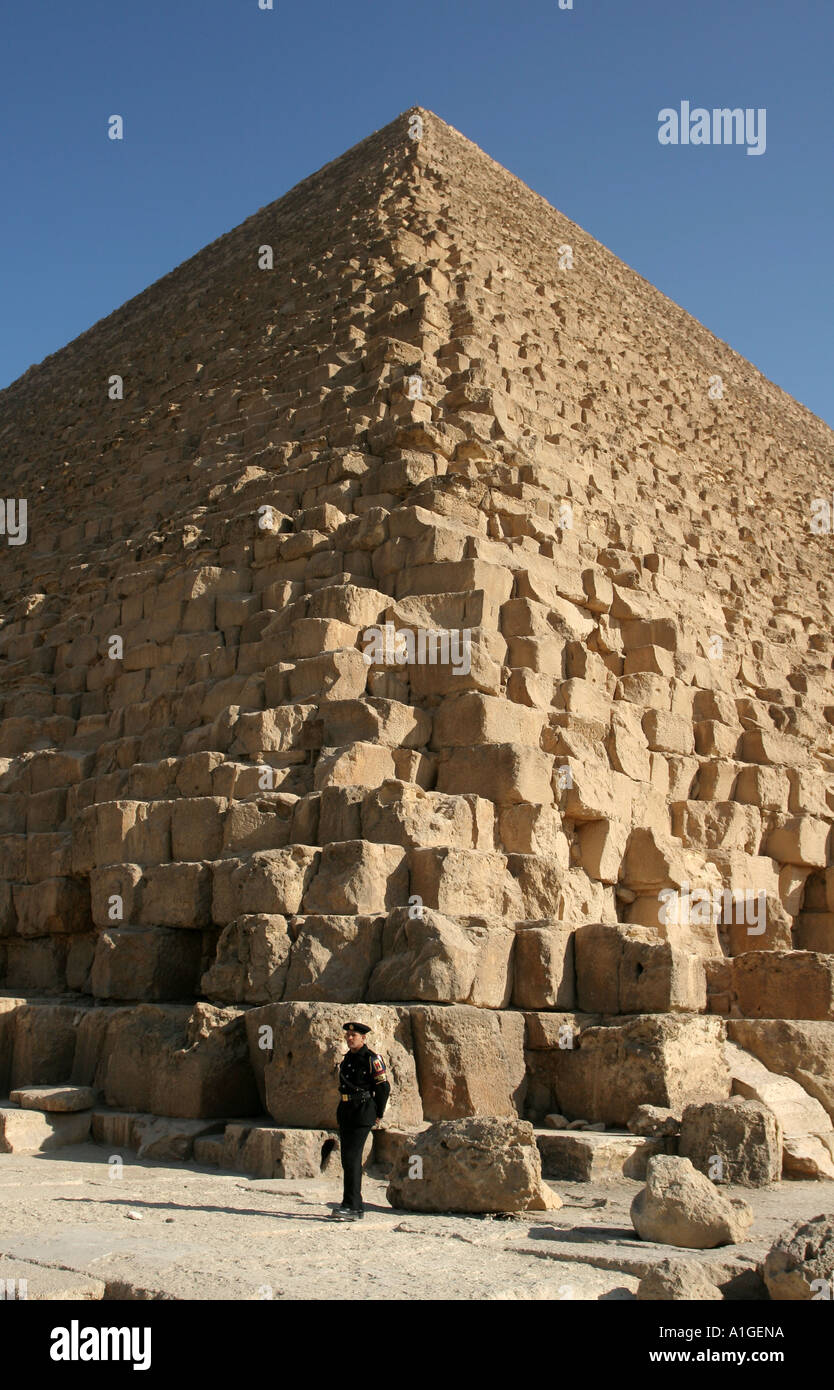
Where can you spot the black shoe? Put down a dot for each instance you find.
(341, 1213)
(354, 1214)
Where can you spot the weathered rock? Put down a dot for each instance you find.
(799, 1266)
(679, 1206)
(677, 1281)
(488, 1164)
(733, 1141)
(669, 1061)
(179, 1061)
(654, 1121)
(296, 1048)
(60, 1099)
(469, 1061)
(25, 1131)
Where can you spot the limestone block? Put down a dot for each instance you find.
(54, 1099)
(506, 773)
(34, 1131)
(402, 814)
(464, 663)
(197, 827)
(297, 1067)
(263, 823)
(178, 1060)
(772, 749)
(627, 970)
(332, 957)
(389, 723)
(115, 892)
(733, 1141)
(801, 1050)
(766, 787)
(473, 718)
(357, 765)
(668, 733)
(799, 840)
(627, 745)
(266, 1151)
(808, 1155)
(251, 963)
(174, 895)
(474, 1164)
(602, 846)
(707, 825)
(784, 984)
(800, 1263)
(271, 881)
(670, 1061)
(796, 1110)
(544, 973)
(459, 882)
(526, 829)
(565, 895)
(340, 675)
(469, 1061)
(273, 730)
(426, 956)
(358, 876)
(151, 964)
(43, 1043)
(54, 905)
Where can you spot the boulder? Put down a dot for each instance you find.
(799, 1266)
(679, 1206)
(654, 1122)
(484, 1164)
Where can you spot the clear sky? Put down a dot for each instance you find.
(226, 106)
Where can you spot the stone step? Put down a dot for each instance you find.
(57, 1099)
(34, 1131)
(592, 1156)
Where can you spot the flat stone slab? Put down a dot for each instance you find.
(23, 1281)
(54, 1098)
(579, 1155)
(35, 1131)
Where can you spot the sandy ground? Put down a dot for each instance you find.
(178, 1231)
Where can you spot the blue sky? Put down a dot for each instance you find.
(227, 106)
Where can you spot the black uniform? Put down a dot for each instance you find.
(363, 1095)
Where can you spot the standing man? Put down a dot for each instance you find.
(363, 1095)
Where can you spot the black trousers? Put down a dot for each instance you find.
(355, 1124)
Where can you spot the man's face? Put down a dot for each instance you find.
(354, 1040)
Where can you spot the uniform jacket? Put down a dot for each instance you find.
(363, 1071)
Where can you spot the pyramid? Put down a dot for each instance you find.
(419, 617)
